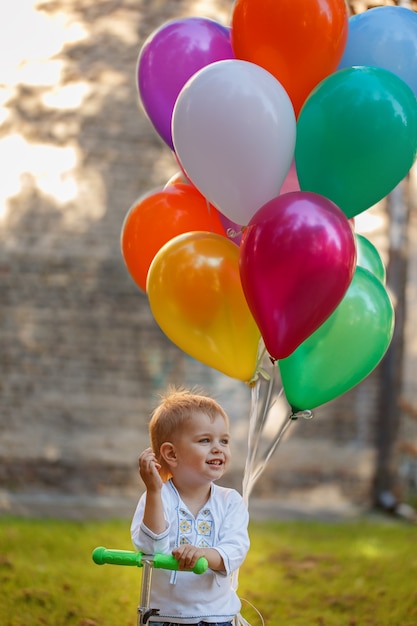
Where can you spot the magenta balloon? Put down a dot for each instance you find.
(297, 259)
(169, 57)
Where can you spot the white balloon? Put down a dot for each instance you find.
(234, 131)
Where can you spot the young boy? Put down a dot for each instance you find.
(184, 513)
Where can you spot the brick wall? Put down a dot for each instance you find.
(81, 358)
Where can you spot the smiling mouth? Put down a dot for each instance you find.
(216, 462)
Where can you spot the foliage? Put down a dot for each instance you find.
(324, 574)
(297, 573)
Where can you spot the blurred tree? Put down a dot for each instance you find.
(386, 492)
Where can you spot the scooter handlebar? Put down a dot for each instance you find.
(129, 557)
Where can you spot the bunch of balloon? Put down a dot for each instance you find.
(286, 124)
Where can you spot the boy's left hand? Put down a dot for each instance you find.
(187, 555)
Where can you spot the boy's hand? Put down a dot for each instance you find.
(187, 556)
(149, 470)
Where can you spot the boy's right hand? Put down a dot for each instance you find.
(149, 470)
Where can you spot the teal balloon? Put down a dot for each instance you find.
(344, 350)
(356, 137)
(367, 256)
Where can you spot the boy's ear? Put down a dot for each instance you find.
(168, 453)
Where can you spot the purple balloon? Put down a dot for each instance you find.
(169, 57)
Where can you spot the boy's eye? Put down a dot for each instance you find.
(204, 440)
(225, 442)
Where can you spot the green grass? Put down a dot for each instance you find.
(296, 574)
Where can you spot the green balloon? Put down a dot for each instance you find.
(344, 350)
(369, 258)
(356, 137)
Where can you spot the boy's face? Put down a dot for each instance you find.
(202, 448)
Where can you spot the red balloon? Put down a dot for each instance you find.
(154, 220)
(297, 259)
(300, 42)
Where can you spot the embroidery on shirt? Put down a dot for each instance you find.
(203, 544)
(185, 526)
(199, 532)
(204, 527)
(184, 540)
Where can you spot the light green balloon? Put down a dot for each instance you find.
(369, 258)
(344, 350)
(356, 137)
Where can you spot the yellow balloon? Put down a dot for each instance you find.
(196, 298)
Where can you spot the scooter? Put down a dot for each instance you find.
(148, 562)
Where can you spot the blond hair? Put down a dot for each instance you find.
(175, 409)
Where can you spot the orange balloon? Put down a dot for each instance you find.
(300, 42)
(157, 218)
(196, 298)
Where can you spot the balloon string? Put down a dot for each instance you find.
(256, 430)
(251, 438)
(263, 398)
(254, 472)
(256, 424)
(241, 620)
(257, 384)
